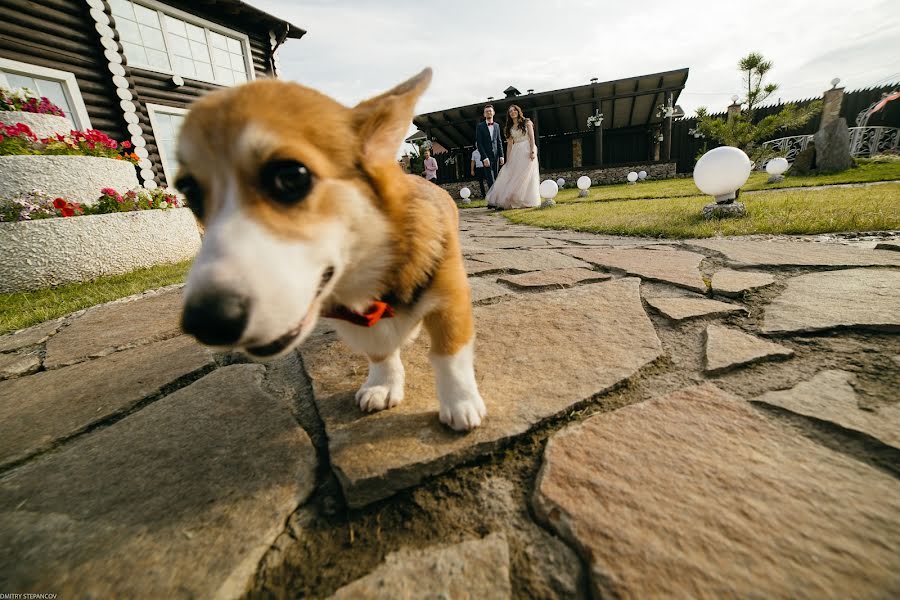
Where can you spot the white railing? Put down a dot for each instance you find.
(864, 141)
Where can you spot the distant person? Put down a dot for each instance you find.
(489, 141)
(518, 185)
(478, 170)
(431, 167)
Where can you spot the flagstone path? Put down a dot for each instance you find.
(697, 418)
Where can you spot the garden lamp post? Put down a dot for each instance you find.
(720, 173)
(583, 183)
(548, 190)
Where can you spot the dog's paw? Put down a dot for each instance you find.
(372, 398)
(463, 414)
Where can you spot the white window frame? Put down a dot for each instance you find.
(164, 9)
(153, 109)
(67, 79)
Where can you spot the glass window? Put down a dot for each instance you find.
(52, 90)
(60, 87)
(181, 47)
(166, 125)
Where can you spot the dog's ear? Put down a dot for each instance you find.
(382, 121)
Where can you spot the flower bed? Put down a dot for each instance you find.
(47, 252)
(37, 204)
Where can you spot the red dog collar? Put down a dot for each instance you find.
(377, 311)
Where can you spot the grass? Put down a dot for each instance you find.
(790, 212)
(23, 309)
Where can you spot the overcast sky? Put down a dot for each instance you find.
(358, 48)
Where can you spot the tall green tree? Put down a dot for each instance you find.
(744, 131)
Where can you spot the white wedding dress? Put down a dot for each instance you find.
(517, 185)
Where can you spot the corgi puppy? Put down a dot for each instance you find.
(308, 214)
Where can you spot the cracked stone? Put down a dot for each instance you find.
(103, 329)
(554, 278)
(529, 260)
(29, 337)
(677, 267)
(829, 396)
(679, 309)
(501, 243)
(16, 365)
(728, 348)
(180, 499)
(580, 342)
(487, 289)
(734, 283)
(699, 495)
(864, 298)
(472, 569)
(38, 410)
(474, 267)
(888, 246)
(802, 254)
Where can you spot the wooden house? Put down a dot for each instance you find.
(129, 68)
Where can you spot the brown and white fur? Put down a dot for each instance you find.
(364, 231)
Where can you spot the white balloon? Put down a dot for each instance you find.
(584, 182)
(722, 171)
(632, 177)
(642, 175)
(465, 193)
(560, 182)
(549, 189)
(777, 166)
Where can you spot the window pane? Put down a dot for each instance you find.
(195, 33)
(220, 57)
(240, 76)
(224, 76)
(22, 81)
(121, 8)
(164, 127)
(184, 66)
(218, 40)
(199, 51)
(135, 54)
(153, 38)
(179, 45)
(128, 30)
(158, 60)
(204, 71)
(237, 62)
(145, 16)
(175, 26)
(235, 46)
(53, 91)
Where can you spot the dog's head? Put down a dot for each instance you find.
(281, 176)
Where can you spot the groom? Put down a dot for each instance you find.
(489, 142)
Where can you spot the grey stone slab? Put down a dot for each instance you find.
(500, 243)
(727, 349)
(30, 336)
(536, 356)
(475, 267)
(854, 298)
(728, 282)
(554, 278)
(533, 259)
(104, 329)
(829, 396)
(668, 265)
(679, 309)
(488, 289)
(888, 246)
(788, 253)
(38, 410)
(699, 495)
(179, 500)
(16, 365)
(472, 569)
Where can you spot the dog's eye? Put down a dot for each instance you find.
(286, 181)
(193, 193)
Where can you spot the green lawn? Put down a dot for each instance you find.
(29, 308)
(790, 212)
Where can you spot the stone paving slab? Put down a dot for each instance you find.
(476, 267)
(699, 495)
(137, 321)
(864, 298)
(726, 349)
(728, 282)
(679, 309)
(554, 278)
(468, 570)
(487, 289)
(501, 243)
(677, 267)
(181, 499)
(30, 336)
(16, 365)
(533, 259)
(786, 253)
(829, 396)
(888, 246)
(536, 356)
(37, 410)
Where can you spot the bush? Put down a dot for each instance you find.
(23, 100)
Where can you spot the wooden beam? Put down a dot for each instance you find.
(613, 117)
(633, 102)
(655, 100)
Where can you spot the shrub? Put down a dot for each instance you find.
(23, 100)
(112, 201)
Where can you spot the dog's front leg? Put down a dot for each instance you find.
(384, 386)
(452, 357)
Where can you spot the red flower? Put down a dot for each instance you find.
(59, 203)
(68, 212)
(126, 144)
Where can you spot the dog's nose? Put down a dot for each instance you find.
(216, 317)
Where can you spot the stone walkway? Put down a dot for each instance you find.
(700, 418)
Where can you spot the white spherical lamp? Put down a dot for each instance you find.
(560, 182)
(721, 172)
(584, 182)
(777, 166)
(632, 177)
(549, 189)
(642, 175)
(464, 193)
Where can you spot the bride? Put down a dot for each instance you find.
(518, 182)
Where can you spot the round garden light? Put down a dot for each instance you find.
(583, 183)
(464, 193)
(560, 182)
(632, 177)
(777, 166)
(548, 190)
(721, 172)
(642, 175)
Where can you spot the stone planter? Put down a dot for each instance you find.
(42, 125)
(75, 178)
(48, 252)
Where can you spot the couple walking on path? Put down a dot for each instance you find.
(516, 185)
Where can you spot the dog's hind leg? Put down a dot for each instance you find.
(384, 386)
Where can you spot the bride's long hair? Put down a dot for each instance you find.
(509, 122)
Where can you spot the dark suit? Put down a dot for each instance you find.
(490, 147)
